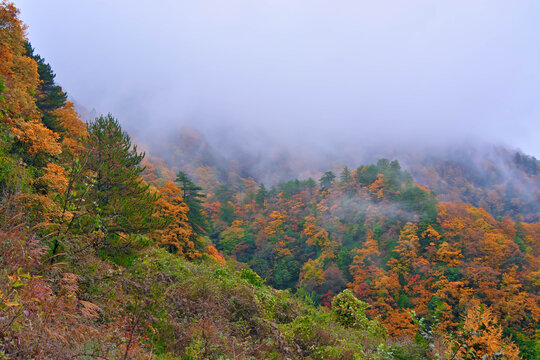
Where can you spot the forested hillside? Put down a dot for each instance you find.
(375, 231)
(109, 253)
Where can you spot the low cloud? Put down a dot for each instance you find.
(310, 73)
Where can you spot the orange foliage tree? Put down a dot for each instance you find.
(176, 235)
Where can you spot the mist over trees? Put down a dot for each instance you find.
(499, 179)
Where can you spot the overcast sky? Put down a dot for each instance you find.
(309, 71)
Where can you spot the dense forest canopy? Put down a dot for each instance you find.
(110, 252)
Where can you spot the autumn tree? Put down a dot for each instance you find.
(176, 234)
(29, 150)
(29, 139)
(311, 276)
(364, 266)
(231, 237)
(407, 248)
(481, 337)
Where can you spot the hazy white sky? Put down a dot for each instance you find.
(305, 70)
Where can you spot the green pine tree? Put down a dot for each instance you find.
(120, 201)
(261, 196)
(50, 95)
(193, 197)
(327, 180)
(345, 176)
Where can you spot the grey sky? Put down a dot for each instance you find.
(312, 70)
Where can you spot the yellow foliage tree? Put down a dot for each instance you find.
(452, 257)
(407, 247)
(482, 336)
(176, 234)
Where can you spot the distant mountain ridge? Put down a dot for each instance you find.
(504, 182)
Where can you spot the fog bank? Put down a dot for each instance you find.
(308, 73)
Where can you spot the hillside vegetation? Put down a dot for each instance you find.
(108, 254)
